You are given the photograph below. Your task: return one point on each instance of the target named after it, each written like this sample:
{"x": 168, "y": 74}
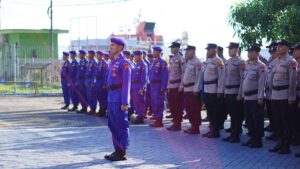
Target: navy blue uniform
{"x": 80, "y": 78}
{"x": 65, "y": 81}
{"x": 73, "y": 87}
{"x": 91, "y": 84}
{"x": 118, "y": 84}
{"x": 101, "y": 77}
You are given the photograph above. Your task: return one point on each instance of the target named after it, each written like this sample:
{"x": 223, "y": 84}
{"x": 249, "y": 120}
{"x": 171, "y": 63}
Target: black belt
{"x": 277, "y": 88}
{"x": 99, "y": 78}
{"x": 211, "y": 82}
{"x": 155, "y": 81}
{"x": 114, "y": 87}
{"x": 89, "y": 77}
{"x": 175, "y": 81}
{"x": 189, "y": 84}
{"x": 136, "y": 81}
{"x": 251, "y": 92}
{"x": 232, "y": 86}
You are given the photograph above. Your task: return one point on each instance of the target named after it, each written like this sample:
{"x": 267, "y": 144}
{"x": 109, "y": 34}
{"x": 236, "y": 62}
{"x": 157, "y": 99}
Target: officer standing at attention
{"x": 138, "y": 86}
{"x": 118, "y": 85}
{"x": 213, "y": 88}
{"x": 234, "y": 71}
{"x": 91, "y": 82}
{"x": 273, "y": 52}
{"x": 100, "y": 75}
{"x": 148, "y": 93}
{"x": 191, "y": 84}
{"x": 222, "y": 109}
{"x": 73, "y": 87}
{"x": 253, "y": 92}
{"x": 283, "y": 95}
{"x": 65, "y": 80}
{"x": 80, "y": 77}
{"x": 158, "y": 76}
{"x": 175, "y": 92}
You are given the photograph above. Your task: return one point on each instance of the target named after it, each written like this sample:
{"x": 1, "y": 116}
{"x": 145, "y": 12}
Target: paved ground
{"x": 34, "y": 133}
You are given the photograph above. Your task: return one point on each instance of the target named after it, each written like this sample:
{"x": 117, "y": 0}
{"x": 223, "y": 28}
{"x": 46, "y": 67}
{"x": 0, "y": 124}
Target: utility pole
{"x": 50, "y": 13}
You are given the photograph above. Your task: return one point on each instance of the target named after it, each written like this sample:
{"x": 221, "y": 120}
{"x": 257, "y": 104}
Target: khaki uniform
{"x": 234, "y": 70}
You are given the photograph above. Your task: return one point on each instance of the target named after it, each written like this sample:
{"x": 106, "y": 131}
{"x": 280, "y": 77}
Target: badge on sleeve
{"x": 293, "y": 64}
{"x": 221, "y": 64}
{"x": 262, "y": 68}
{"x": 242, "y": 65}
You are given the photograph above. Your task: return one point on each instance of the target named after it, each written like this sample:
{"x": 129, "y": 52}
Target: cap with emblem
{"x": 137, "y": 52}
{"x": 254, "y": 47}
{"x": 126, "y": 52}
{"x": 144, "y": 52}
{"x": 284, "y": 42}
{"x": 233, "y": 45}
{"x": 189, "y": 47}
{"x": 157, "y": 48}
{"x": 175, "y": 45}
{"x": 211, "y": 46}
{"x": 118, "y": 41}
{"x": 106, "y": 54}
{"x": 66, "y": 53}
{"x": 81, "y": 51}
{"x": 297, "y": 47}
{"x": 220, "y": 48}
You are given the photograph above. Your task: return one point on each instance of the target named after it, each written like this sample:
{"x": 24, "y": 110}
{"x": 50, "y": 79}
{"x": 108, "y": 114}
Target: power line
{"x": 66, "y": 4}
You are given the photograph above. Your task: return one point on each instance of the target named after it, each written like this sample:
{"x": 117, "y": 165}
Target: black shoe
{"x": 297, "y": 155}
{"x": 174, "y": 127}
{"x": 74, "y": 108}
{"x": 235, "y": 139}
{"x": 256, "y": 144}
{"x": 65, "y": 107}
{"x": 92, "y": 112}
{"x": 82, "y": 111}
{"x": 284, "y": 150}
{"x": 192, "y": 130}
{"x": 276, "y": 148}
{"x": 213, "y": 135}
{"x": 226, "y": 139}
{"x": 138, "y": 120}
{"x": 116, "y": 156}
{"x": 156, "y": 123}
{"x": 247, "y": 143}
{"x": 169, "y": 116}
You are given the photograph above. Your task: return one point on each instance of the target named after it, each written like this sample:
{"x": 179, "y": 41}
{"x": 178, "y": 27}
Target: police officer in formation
{"x": 245, "y": 86}
{"x": 191, "y": 85}
{"x": 213, "y": 79}
{"x": 253, "y": 86}
{"x": 65, "y": 80}
{"x": 175, "y": 93}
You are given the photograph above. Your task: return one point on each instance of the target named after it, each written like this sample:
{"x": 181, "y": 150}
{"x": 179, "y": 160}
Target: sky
{"x": 206, "y": 21}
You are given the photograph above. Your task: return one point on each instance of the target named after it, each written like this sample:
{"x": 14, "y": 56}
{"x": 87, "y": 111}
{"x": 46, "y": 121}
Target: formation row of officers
{"x": 119, "y": 81}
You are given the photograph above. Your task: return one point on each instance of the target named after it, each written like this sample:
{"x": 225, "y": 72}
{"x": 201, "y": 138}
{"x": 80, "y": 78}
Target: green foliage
{"x": 254, "y": 20}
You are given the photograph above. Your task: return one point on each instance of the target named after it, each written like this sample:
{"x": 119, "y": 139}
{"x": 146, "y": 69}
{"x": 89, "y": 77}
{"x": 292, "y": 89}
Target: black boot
{"x": 65, "y": 107}
{"x": 83, "y": 110}
{"x": 92, "y": 112}
{"x": 74, "y": 108}
{"x": 118, "y": 155}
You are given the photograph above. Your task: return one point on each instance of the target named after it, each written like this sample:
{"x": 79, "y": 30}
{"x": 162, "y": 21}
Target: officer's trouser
{"x": 91, "y": 94}
{"x": 148, "y": 99}
{"x": 270, "y": 113}
{"x": 283, "y": 120}
{"x": 176, "y": 104}
{"x": 157, "y": 101}
{"x": 193, "y": 108}
{"x": 236, "y": 111}
{"x": 138, "y": 102}
{"x": 74, "y": 93}
{"x": 82, "y": 93}
{"x": 101, "y": 94}
{"x": 118, "y": 125}
{"x": 222, "y": 111}
{"x": 212, "y": 111}
{"x": 254, "y": 118}
{"x": 66, "y": 91}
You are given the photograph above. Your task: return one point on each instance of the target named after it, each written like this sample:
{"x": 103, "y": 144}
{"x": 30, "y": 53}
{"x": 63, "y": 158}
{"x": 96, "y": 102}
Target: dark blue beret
{"x": 72, "y": 52}
{"x": 99, "y": 52}
{"x": 92, "y": 51}
{"x": 66, "y": 53}
{"x": 157, "y": 48}
{"x": 118, "y": 41}
{"x": 137, "y": 52}
{"x": 150, "y": 55}
{"x": 82, "y": 51}
{"x": 126, "y": 52}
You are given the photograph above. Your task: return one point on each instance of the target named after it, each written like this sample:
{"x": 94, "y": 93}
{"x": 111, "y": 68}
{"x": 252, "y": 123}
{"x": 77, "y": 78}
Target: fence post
{"x": 15, "y": 67}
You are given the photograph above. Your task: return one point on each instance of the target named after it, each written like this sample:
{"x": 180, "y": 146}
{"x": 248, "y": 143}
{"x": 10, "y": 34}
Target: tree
{"x": 254, "y": 20}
